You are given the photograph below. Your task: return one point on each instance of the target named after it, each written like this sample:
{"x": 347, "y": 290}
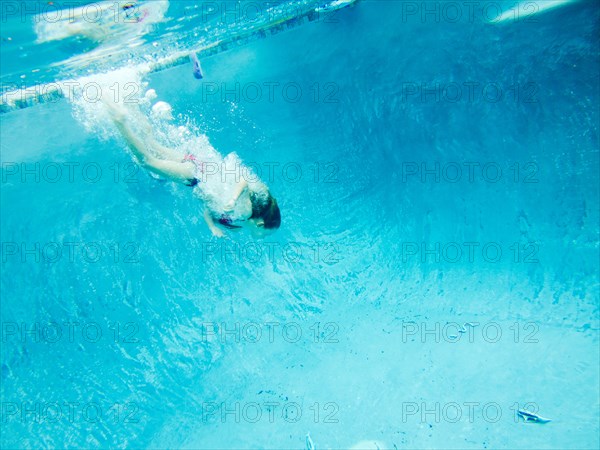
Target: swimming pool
{"x": 436, "y": 270}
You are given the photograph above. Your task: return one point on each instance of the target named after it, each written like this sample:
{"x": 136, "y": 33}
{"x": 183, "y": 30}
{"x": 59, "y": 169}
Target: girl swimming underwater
{"x": 234, "y": 198}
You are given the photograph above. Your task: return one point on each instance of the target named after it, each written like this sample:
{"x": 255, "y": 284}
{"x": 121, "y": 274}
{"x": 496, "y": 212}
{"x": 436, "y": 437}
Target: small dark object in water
{"x": 528, "y": 416}
{"x": 197, "y": 68}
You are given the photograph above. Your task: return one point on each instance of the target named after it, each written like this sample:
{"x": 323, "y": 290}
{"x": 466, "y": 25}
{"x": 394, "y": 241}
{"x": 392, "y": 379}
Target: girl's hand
{"x": 217, "y": 232}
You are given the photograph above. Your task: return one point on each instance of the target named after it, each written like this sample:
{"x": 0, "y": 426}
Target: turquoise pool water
{"x": 436, "y": 270}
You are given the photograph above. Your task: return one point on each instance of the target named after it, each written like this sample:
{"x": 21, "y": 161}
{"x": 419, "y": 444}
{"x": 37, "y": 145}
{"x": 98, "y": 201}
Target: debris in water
{"x": 197, "y": 68}
{"x": 528, "y": 416}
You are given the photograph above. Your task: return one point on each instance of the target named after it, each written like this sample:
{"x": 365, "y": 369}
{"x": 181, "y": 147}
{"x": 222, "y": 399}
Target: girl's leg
{"x": 132, "y": 130}
{"x": 146, "y": 149}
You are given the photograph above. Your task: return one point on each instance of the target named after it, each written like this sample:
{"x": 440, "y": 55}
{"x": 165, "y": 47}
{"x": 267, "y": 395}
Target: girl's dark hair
{"x": 266, "y": 209}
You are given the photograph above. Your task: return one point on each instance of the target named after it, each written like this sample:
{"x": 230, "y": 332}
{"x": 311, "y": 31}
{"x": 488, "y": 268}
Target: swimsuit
{"x": 228, "y": 222}
{"x": 199, "y": 167}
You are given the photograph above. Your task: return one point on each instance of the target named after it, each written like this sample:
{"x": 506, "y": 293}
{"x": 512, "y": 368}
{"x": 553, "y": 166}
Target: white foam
{"x": 122, "y": 86}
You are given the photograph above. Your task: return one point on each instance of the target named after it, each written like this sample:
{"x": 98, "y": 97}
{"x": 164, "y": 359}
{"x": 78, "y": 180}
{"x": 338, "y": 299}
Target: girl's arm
{"x": 239, "y": 188}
